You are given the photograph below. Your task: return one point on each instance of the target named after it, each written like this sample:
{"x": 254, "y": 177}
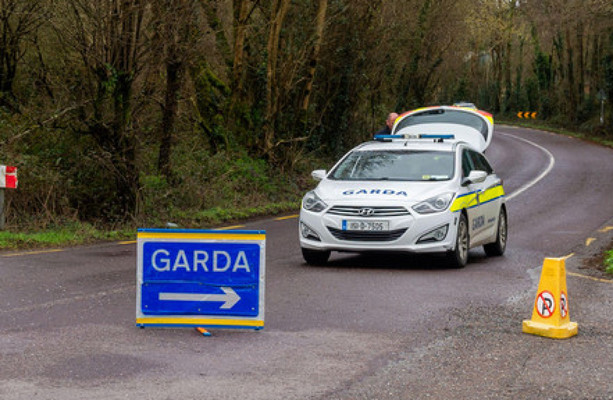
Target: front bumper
{"x": 324, "y": 231}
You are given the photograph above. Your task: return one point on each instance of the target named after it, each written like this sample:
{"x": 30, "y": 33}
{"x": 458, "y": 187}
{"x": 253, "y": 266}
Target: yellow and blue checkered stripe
{"x": 469, "y": 200}
{"x": 200, "y": 234}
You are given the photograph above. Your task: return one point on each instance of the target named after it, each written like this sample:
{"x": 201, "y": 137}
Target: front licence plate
{"x": 361, "y": 225}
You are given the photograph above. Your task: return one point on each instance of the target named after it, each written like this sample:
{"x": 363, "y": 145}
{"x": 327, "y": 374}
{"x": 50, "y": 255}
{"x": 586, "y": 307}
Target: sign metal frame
{"x": 211, "y": 239}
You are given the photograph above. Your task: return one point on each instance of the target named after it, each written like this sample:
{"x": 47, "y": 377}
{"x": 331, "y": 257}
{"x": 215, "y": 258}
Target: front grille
{"x": 354, "y": 211}
{"x": 362, "y": 236}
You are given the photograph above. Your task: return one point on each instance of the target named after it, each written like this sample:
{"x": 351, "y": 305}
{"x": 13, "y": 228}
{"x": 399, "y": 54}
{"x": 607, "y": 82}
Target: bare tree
{"x": 109, "y": 36}
{"x": 18, "y": 20}
{"x": 241, "y": 14}
{"x": 320, "y": 22}
{"x": 176, "y": 36}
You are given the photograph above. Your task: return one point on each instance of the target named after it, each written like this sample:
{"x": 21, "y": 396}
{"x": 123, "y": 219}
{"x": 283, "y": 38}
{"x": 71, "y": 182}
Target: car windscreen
{"x": 395, "y": 165}
{"x": 442, "y": 116}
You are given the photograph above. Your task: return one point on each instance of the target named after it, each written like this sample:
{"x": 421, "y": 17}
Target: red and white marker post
{"x": 8, "y": 180}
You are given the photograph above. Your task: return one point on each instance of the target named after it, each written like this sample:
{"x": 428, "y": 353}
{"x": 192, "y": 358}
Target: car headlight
{"x": 434, "y": 204}
{"x": 312, "y": 202}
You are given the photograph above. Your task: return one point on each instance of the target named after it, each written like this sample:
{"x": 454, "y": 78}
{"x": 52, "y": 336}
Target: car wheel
{"x": 315, "y": 257}
{"x": 459, "y": 256}
{"x": 499, "y": 246}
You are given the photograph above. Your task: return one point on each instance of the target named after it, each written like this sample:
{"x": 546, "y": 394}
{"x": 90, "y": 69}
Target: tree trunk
{"x": 507, "y": 75}
{"x": 169, "y": 114}
{"x": 497, "y": 62}
{"x": 111, "y": 53}
{"x": 278, "y": 11}
{"x": 126, "y": 176}
{"x": 570, "y": 76}
{"x": 240, "y": 33}
{"x": 581, "y": 57}
{"x": 319, "y": 29}
{"x": 595, "y": 76}
{"x": 210, "y": 8}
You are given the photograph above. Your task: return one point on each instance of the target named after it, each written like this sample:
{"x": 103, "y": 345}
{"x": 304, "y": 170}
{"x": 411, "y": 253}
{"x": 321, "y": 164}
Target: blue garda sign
{"x": 200, "y": 278}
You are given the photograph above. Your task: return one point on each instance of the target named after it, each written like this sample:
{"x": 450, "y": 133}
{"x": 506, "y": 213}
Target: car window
{"x": 467, "y": 163}
{"x": 438, "y": 116}
{"x": 480, "y": 162}
{"x": 405, "y": 165}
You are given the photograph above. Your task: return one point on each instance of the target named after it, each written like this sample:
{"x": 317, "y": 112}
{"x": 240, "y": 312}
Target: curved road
{"x": 362, "y": 327}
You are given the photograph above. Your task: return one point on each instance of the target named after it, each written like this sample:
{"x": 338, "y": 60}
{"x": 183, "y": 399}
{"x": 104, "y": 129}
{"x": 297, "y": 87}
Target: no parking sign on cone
{"x": 550, "y": 316}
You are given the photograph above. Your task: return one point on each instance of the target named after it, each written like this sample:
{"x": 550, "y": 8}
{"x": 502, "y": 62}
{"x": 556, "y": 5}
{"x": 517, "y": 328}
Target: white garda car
{"x": 407, "y": 192}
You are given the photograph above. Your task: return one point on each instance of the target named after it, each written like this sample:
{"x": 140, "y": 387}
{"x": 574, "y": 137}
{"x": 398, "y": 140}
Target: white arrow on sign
{"x": 229, "y": 299}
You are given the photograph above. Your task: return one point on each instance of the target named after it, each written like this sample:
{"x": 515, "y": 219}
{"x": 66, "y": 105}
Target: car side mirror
{"x": 319, "y": 174}
{"x": 474, "y": 177}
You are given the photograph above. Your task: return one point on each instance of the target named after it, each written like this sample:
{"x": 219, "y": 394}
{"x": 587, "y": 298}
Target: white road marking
{"x": 552, "y": 162}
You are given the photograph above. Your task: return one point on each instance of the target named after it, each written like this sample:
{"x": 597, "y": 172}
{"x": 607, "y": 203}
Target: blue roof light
{"x": 388, "y": 137}
{"x": 385, "y": 138}
{"x": 437, "y": 136}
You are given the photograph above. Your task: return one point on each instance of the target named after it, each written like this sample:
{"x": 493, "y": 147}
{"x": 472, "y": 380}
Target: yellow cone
{"x": 550, "y": 317}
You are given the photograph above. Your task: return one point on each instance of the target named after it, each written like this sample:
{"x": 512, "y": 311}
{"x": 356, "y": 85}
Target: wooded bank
{"x": 147, "y": 110}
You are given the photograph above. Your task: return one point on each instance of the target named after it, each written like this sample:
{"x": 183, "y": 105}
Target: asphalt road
{"x": 359, "y": 328}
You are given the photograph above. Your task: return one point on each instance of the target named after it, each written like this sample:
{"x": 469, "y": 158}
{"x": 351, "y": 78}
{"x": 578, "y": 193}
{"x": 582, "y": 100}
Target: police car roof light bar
{"x": 424, "y": 136}
{"x": 384, "y": 138}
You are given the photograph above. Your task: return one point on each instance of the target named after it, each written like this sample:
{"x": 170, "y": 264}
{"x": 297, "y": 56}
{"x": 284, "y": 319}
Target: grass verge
{"x": 61, "y": 236}
{"x": 79, "y": 233}
{"x": 216, "y": 216}
{"x": 605, "y": 141}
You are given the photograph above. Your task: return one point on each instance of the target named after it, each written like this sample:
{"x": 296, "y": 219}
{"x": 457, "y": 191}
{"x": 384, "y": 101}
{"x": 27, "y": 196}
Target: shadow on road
{"x": 396, "y": 261}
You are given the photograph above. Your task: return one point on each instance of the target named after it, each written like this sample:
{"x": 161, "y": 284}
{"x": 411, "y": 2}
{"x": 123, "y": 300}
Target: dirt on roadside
{"x": 596, "y": 262}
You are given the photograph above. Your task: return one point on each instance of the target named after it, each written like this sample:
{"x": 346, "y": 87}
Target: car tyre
{"x": 315, "y": 257}
{"x": 458, "y": 258}
{"x": 499, "y": 246}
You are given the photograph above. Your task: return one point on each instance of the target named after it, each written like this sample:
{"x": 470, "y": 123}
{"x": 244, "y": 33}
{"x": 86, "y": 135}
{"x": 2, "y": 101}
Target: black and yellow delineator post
{"x": 550, "y": 317}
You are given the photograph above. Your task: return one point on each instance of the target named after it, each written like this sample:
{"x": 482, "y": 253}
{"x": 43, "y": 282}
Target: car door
{"x": 489, "y": 199}
{"x": 478, "y": 212}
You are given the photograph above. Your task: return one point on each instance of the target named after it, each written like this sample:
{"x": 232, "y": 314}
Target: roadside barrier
{"x": 550, "y": 316}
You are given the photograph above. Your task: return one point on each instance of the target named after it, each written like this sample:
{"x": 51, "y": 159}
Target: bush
{"x": 608, "y": 262}
{"x": 207, "y": 190}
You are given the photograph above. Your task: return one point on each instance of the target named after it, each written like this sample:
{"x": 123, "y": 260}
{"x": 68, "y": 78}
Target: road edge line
{"x": 552, "y": 162}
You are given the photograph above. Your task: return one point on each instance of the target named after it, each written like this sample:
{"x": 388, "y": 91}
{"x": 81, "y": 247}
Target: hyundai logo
{"x": 366, "y": 212}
